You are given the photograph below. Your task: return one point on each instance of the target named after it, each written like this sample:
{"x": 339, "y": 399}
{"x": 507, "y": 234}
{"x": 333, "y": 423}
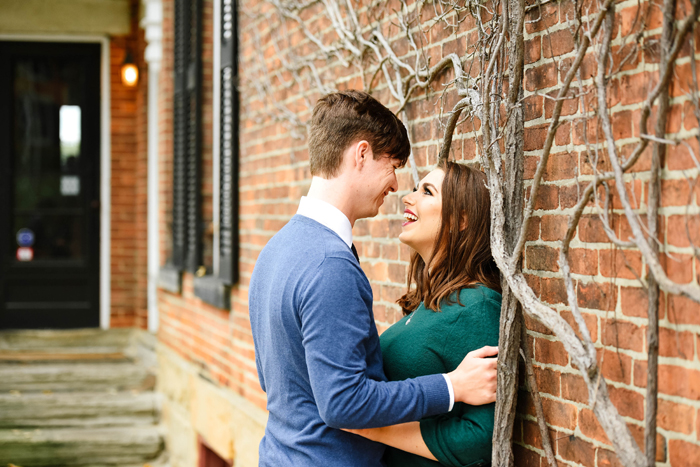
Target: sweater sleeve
{"x": 336, "y": 324}
{"x": 463, "y": 436}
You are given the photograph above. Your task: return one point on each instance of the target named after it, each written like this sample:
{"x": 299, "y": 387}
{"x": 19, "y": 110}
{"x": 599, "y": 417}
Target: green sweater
{"x": 427, "y": 342}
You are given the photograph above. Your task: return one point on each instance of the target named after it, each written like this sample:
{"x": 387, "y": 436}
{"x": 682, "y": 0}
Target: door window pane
{"x": 48, "y": 160}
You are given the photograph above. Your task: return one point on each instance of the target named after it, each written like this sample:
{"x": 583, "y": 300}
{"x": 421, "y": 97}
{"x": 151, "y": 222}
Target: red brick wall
{"x": 129, "y": 173}
{"x": 274, "y": 175}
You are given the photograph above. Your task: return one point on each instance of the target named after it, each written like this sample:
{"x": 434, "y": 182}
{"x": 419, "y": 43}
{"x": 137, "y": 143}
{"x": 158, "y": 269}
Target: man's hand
{"x": 474, "y": 380}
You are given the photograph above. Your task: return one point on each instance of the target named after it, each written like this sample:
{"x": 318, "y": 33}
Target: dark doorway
{"x": 49, "y": 185}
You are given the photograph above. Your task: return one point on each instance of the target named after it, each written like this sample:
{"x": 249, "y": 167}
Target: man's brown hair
{"x": 342, "y": 118}
{"x": 462, "y": 253}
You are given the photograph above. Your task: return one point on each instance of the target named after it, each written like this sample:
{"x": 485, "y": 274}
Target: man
{"x": 316, "y": 344}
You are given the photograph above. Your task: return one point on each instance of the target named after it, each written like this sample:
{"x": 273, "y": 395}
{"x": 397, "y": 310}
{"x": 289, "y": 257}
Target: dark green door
{"x": 49, "y": 185}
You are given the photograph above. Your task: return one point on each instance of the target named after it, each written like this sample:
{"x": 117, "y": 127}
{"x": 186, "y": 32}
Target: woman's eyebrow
{"x": 430, "y": 185}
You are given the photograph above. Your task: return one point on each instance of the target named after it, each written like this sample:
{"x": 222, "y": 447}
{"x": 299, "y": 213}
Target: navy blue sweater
{"x": 318, "y": 356}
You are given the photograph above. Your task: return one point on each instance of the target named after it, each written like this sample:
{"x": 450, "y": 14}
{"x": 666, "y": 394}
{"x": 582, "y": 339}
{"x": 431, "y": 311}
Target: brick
{"x": 553, "y": 228}
{"x": 560, "y": 414}
{"x": 623, "y": 334}
{"x": 541, "y": 77}
{"x": 681, "y": 230}
{"x": 526, "y": 457}
{"x": 569, "y": 196}
{"x": 557, "y": 43}
{"x": 607, "y": 458}
{"x": 576, "y": 450}
{"x": 569, "y": 104}
{"x": 561, "y": 166}
{"x": 682, "y": 310}
{"x": 676, "y": 344}
{"x": 532, "y": 107}
{"x": 626, "y": 264}
{"x": 591, "y": 427}
{"x": 553, "y": 290}
{"x": 583, "y": 261}
{"x": 590, "y": 230}
{"x": 542, "y": 258}
{"x": 531, "y": 434}
{"x": 590, "y": 319}
{"x": 550, "y": 352}
{"x": 547, "y": 197}
{"x": 573, "y": 388}
{"x": 548, "y": 381}
{"x": 683, "y": 453}
{"x": 532, "y": 50}
{"x": 599, "y": 296}
{"x": 679, "y": 158}
{"x": 675, "y": 417}
{"x": 616, "y": 366}
{"x": 679, "y": 381}
{"x": 629, "y": 403}
{"x": 534, "y": 137}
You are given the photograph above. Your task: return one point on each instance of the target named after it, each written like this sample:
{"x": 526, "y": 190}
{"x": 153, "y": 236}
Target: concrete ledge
{"x": 214, "y": 291}
{"x": 194, "y": 406}
{"x": 103, "y": 17}
{"x": 170, "y": 279}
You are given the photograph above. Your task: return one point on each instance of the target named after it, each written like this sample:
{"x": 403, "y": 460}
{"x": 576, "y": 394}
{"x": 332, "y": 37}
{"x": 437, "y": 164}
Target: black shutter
{"x": 228, "y": 137}
{"x": 187, "y": 206}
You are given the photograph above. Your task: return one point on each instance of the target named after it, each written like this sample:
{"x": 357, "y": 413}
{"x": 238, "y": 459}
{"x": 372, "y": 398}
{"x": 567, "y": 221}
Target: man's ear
{"x": 362, "y": 153}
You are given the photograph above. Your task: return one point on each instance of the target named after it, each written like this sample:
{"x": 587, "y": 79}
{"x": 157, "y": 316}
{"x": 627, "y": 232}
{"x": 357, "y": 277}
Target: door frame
{"x": 105, "y": 158}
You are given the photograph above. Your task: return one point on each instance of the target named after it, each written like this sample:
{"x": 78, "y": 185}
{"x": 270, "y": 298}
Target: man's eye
{"x": 415, "y": 189}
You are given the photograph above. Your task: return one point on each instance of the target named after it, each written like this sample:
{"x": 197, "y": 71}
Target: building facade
{"x": 204, "y": 160}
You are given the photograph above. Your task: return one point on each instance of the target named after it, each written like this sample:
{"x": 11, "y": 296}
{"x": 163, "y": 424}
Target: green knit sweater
{"x": 427, "y": 342}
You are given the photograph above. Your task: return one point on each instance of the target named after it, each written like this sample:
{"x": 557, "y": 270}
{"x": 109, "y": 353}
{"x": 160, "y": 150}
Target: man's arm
{"x": 336, "y": 321}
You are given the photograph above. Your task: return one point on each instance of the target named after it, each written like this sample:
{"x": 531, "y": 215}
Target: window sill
{"x": 213, "y": 291}
{"x": 170, "y": 279}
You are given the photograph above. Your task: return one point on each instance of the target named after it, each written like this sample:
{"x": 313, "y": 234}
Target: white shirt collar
{"x": 326, "y": 214}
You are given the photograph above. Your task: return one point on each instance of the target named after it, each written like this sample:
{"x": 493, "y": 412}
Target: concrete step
{"x": 81, "y": 447}
{"x": 66, "y": 345}
{"x": 78, "y": 409}
{"x": 78, "y": 377}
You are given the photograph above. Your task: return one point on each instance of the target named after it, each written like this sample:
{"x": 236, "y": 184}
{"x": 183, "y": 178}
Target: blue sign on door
{"x": 25, "y": 237}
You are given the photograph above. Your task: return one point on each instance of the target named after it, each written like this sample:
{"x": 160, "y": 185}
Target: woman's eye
{"x": 427, "y": 192}
{"x": 415, "y": 189}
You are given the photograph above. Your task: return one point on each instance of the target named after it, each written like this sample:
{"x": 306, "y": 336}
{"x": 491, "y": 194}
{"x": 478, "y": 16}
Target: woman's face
{"x": 423, "y": 214}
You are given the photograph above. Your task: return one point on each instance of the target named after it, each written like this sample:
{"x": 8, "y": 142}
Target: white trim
{"x": 105, "y": 158}
{"x": 152, "y": 22}
{"x": 216, "y": 143}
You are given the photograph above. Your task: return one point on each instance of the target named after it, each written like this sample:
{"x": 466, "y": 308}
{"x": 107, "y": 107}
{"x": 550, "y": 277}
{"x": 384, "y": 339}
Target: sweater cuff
{"x": 437, "y": 394}
{"x": 451, "y": 390}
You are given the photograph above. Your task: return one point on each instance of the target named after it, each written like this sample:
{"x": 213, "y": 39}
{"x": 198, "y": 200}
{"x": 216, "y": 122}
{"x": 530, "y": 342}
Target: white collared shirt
{"x": 328, "y": 215}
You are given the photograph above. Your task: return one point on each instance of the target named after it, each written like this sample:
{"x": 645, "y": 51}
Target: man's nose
{"x": 394, "y": 187}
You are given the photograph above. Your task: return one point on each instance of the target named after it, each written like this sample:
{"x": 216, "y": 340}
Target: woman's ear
{"x": 463, "y": 221}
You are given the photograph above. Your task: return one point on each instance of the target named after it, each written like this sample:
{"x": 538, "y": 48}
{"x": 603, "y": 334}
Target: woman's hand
{"x": 406, "y": 436}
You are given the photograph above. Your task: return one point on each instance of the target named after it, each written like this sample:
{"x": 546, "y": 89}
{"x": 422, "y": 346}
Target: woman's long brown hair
{"x": 462, "y": 256}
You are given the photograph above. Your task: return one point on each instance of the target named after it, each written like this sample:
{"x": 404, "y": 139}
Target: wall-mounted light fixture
{"x": 130, "y": 73}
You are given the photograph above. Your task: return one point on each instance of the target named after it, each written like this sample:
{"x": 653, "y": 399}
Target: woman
{"x": 452, "y": 307}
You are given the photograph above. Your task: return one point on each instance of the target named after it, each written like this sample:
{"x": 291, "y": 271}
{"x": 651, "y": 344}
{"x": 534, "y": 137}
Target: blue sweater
{"x": 318, "y": 356}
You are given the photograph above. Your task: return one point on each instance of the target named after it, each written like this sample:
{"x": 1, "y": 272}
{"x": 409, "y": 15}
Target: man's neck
{"x": 334, "y": 192}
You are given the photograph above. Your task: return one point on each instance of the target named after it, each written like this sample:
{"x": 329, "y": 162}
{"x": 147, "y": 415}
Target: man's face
{"x": 379, "y": 179}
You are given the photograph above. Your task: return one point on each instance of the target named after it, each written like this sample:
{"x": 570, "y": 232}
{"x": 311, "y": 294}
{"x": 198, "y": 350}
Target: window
{"x": 212, "y": 285}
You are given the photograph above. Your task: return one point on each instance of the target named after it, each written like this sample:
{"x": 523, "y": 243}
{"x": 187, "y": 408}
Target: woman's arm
{"x": 405, "y": 436}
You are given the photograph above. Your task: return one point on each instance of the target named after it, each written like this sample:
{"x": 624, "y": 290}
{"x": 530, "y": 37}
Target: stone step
{"x": 80, "y": 447}
{"x": 79, "y": 409}
{"x": 66, "y": 345}
{"x": 79, "y": 377}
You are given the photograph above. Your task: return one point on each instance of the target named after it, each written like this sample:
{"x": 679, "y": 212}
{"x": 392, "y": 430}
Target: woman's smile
{"x": 410, "y": 217}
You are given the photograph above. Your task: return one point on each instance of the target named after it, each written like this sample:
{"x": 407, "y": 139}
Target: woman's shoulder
{"x": 479, "y": 296}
